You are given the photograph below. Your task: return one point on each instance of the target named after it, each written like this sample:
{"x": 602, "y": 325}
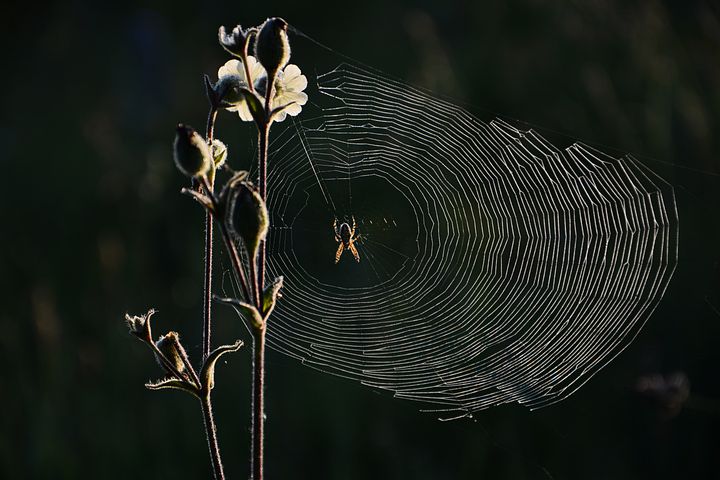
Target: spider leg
{"x": 339, "y": 252}
{"x": 353, "y": 227}
{"x": 337, "y": 234}
{"x": 354, "y": 252}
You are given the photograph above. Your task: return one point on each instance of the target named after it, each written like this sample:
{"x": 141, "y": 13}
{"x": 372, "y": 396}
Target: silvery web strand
{"x": 515, "y": 273}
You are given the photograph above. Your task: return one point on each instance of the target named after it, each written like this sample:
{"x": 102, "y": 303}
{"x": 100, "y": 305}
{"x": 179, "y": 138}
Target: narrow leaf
{"x": 248, "y": 311}
{"x": 270, "y": 296}
{"x": 277, "y": 111}
{"x": 203, "y": 200}
{"x": 207, "y": 374}
{"x": 174, "y": 384}
{"x": 255, "y": 104}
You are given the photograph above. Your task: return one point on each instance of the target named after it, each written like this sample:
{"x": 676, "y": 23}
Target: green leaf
{"x": 245, "y": 309}
{"x": 270, "y": 296}
{"x": 203, "y": 200}
{"x": 280, "y": 109}
{"x": 207, "y": 374}
{"x": 219, "y": 152}
{"x": 255, "y": 104}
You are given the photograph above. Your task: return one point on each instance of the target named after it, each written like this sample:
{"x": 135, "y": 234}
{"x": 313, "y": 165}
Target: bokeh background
{"x": 93, "y": 225}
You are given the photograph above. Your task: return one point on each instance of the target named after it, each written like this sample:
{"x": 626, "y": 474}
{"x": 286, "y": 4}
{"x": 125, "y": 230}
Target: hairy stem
{"x": 230, "y": 245}
{"x": 258, "y": 406}
{"x": 258, "y": 412}
{"x": 207, "y": 303}
{"x": 211, "y": 433}
{"x": 262, "y": 184}
{"x": 235, "y": 259}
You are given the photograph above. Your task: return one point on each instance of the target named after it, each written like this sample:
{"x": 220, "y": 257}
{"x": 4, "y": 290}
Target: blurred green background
{"x": 94, "y": 226}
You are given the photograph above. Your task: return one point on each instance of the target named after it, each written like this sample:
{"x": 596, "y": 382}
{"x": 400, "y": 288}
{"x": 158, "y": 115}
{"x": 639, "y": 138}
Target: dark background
{"x": 93, "y": 226}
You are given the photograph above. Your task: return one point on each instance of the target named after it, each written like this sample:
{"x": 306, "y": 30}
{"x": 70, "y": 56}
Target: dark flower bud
{"x": 236, "y": 41}
{"x": 191, "y": 152}
{"x": 169, "y": 345}
{"x": 272, "y": 47}
{"x": 247, "y": 216}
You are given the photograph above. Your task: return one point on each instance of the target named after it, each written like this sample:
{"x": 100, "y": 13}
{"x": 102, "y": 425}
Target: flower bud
{"x": 272, "y": 47}
{"x": 169, "y": 345}
{"x": 191, "y": 152}
{"x": 247, "y": 216}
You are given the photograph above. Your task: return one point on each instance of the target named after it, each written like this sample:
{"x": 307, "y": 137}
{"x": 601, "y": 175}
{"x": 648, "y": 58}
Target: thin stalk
{"x": 262, "y": 184}
{"x": 257, "y": 294}
{"x": 212, "y": 437}
{"x": 258, "y": 412}
{"x": 232, "y": 249}
{"x": 235, "y": 259}
{"x": 246, "y": 67}
{"x": 207, "y": 304}
{"x": 258, "y": 417}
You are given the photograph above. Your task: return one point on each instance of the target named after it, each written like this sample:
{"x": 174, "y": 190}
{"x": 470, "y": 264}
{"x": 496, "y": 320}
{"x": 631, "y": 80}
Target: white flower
{"x": 234, "y": 72}
{"x": 289, "y": 86}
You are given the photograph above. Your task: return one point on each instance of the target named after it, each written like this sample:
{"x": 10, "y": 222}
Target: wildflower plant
{"x": 262, "y": 88}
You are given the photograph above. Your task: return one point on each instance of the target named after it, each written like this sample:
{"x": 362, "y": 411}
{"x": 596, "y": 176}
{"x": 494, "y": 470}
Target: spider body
{"x": 345, "y": 236}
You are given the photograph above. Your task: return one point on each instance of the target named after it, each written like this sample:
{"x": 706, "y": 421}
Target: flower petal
{"x": 256, "y": 69}
{"x": 293, "y": 110}
{"x": 231, "y": 67}
{"x": 299, "y": 98}
{"x": 297, "y": 84}
{"x": 244, "y": 112}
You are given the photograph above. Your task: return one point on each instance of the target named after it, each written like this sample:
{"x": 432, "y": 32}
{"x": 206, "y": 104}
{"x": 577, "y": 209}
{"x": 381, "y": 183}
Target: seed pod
{"x": 169, "y": 345}
{"x": 246, "y": 215}
{"x": 191, "y": 152}
{"x": 272, "y": 47}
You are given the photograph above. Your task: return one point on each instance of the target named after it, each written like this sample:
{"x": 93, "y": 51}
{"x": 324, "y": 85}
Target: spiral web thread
{"x": 530, "y": 267}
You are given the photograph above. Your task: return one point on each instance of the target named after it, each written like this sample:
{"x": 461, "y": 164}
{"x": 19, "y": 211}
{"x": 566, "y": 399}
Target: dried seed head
{"x": 191, "y": 152}
{"x": 246, "y": 215}
{"x": 235, "y": 42}
{"x": 272, "y": 47}
{"x": 139, "y": 325}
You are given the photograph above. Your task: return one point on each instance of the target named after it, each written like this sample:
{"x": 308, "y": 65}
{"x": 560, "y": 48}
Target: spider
{"x": 345, "y": 235}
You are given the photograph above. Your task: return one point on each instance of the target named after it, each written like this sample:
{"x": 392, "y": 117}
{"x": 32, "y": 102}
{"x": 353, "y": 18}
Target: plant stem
{"x": 235, "y": 259}
{"x": 207, "y": 304}
{"x": 258, "y": 416}
{"x": 262, "y": 169}
{"x": 258, "y": 412}
{"x": 212, "y": 437}
{"x": 230, "y": 245}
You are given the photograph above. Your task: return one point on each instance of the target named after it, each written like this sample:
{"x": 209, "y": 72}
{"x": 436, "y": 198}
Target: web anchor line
{"x": 303, "y": 141}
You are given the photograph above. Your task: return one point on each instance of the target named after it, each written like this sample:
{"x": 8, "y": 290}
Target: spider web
{"x": 495, "y": 267}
